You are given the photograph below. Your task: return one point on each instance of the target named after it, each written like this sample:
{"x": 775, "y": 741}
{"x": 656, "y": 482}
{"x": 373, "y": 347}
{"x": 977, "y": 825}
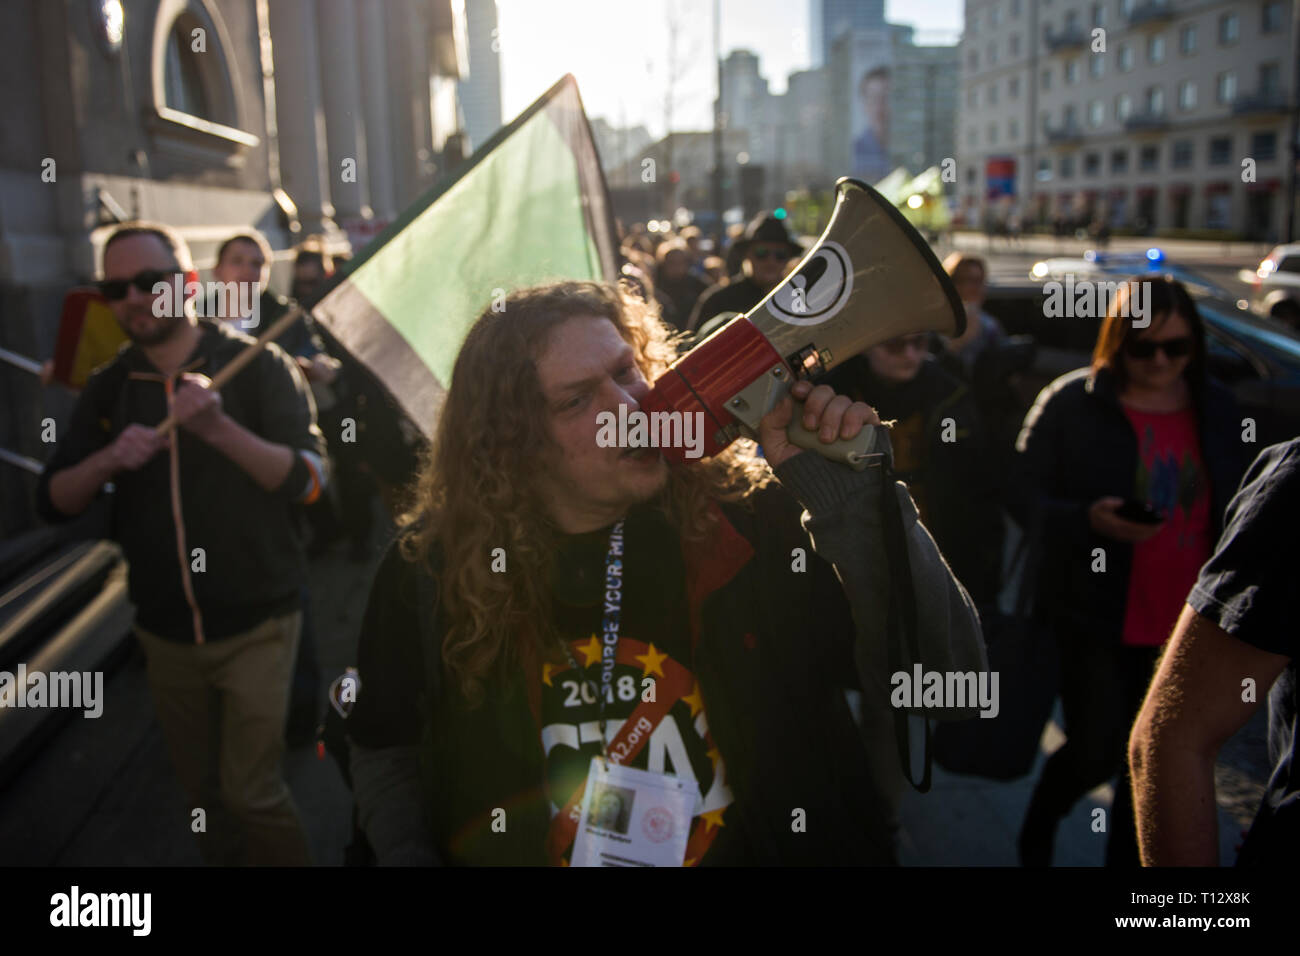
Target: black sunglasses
{"x": 1173, "y": 348}
{"x": 114, "y": 289}
{"x": 769, "y": 252}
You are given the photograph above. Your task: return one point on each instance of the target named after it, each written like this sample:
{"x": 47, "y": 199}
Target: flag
{"x": 530, "y": 206}
{"x": 89, "y": 336}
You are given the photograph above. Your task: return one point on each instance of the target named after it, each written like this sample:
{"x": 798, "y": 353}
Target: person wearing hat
{"x": 766, "y": 247}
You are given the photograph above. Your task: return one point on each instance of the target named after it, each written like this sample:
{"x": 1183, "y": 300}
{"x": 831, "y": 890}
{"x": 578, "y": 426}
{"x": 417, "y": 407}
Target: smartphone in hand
{"x": 1139, "y": 512}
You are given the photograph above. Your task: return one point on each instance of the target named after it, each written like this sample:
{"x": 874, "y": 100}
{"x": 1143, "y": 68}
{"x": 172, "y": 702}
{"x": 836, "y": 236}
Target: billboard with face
{"x": 870, "y": 73}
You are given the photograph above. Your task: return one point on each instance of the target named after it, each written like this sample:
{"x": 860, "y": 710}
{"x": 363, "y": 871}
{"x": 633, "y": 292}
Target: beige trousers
{"x": 222, "y": 706}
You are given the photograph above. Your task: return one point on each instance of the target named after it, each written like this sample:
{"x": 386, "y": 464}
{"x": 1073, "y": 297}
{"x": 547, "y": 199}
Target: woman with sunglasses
{"x": 1124, "y": 471}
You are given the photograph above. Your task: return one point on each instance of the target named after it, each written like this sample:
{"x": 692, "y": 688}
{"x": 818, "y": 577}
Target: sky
{"x": 619, "y": 50}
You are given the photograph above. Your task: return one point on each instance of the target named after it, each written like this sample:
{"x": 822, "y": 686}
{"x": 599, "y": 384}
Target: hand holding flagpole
{"x": 236, "y": 365}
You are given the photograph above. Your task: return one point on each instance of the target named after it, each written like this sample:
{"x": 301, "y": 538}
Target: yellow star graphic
{"x": 713, "y": 818}
{"x": 546, "y": 674}
{"x": 694, "y": 700}
{"x": 564, "y": 862}
{"x": 690, "y": 862}
{"x": 592, "y": 651}
{"x": 652, "y": 661}
{"x": 713, "y": 754}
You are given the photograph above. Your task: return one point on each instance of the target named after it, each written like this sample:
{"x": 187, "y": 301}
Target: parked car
{"x": 1276, "y": 281}
{"x": 1256, "y": 356}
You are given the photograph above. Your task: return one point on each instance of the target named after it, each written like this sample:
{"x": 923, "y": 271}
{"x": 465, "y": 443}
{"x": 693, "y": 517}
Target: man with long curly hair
{"x": 483, "y": 696}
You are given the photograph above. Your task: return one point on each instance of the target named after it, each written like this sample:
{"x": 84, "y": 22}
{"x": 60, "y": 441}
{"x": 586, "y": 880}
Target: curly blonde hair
{"x": 475, "y": 493}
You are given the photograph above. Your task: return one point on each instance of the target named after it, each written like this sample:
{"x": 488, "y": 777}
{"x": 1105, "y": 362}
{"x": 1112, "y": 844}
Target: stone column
{"x": 376, "y": 73}
{"x": 344, "y": 130}
{"x": 300, "y": 119}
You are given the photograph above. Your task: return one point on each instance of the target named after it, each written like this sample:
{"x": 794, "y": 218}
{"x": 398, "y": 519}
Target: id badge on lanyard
{"x": 629, "y": 817}
{"x": 633, "y": 817}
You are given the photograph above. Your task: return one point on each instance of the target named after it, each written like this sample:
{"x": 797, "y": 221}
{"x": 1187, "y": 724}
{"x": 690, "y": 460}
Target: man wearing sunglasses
{"x": 203, "y": 516}
{"x": 767, "y": 249}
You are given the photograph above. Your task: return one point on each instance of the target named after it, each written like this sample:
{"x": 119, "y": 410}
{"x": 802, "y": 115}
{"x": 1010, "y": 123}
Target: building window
{"x": 1183, "y": 152}
{"x": 1015, "y": 8}
{"x": 1123, "y": 107}
{"x": 1125, "y": 58}
{"x": 1015, "y": 44}
{"x": 1067, "y": 167}
{"x": 1045, "y": 81}
{"x": 973, "y": 97}
{"x": 1187, "y": 39}
{"x": 1156, "y": 100}
{"x": 1013, "y": 129}
{"x": 1228, "y": 29}
{"x": 973, "y": 28}
{"x": 1013, "y": 87}
{"x": 1098, "y": 15}
{"x": 1096, "y": 65}
{"x": 1096, "y": 113}
{"x": 993, "y": 134}
{"x": 993, "y": 53}
{"x": 971, "y": 137}
{"x": 1263, "y": 146}
{"x": 1071, "y": 21}
{"x": 1271, "y": 17}
{"x": 1071, "y": 72}
{"x": 183, "y": 78}
{"x": 1070, "y": 121}
{"x": 973, "y": 61}
{"x": 1125, "y": 8}
{"x": 1156, "y": 49}
{"x": 995, "y": 16}
{"x": 1220, "y": 150}
{"x": 1187, "y": 95}
{"x": 1091, "y": 164}
{"x": 993, "y": 93}
{"x": 1119, "y": 161}
{"x": 1149, "y": 158}
{"x": 1044, "y": 170}
{"x": 1270, "y": 79}
{"x": 1225, "y": 88}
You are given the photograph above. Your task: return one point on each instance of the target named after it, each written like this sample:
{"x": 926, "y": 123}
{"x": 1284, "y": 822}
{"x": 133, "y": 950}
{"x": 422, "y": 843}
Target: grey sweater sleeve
{"x": 843, "y": 517}
{"x": 390, "y": 805}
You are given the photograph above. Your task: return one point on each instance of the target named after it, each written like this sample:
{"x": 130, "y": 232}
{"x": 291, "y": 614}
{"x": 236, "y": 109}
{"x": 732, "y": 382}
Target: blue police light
{"x": 1155, "y": 255}
{"x": 779, "y": 213}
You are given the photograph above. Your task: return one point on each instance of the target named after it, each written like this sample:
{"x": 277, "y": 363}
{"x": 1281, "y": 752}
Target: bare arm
{"x": 1193, "y": 705}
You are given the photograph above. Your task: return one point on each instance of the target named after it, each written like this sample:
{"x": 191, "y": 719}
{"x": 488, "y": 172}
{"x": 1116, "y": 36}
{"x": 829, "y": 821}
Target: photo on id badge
{"x": 612, "y": 808}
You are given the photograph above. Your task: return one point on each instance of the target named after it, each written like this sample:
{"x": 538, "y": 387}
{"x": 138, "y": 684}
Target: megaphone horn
{"x": 870, "y": 277}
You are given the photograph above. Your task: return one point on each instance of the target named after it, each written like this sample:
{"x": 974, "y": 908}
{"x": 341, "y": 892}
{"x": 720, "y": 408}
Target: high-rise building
{"x": 480, "y": 92}
{"x": 1147, "y": 114}
{"x": 830, "y": 18}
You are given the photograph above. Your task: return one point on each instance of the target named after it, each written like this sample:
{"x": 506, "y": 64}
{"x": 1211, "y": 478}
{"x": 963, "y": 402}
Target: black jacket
{"x": 1076, "y": 446}
{"x": 957, "y": 483}
{"x": 774, "y": 649}
{"x": 738, "y": 294}
{"x": 254, "y": 564}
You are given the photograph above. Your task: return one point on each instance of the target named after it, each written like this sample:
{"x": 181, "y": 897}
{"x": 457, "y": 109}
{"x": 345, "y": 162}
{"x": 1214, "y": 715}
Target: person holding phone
{"x": 1124, "y": 471}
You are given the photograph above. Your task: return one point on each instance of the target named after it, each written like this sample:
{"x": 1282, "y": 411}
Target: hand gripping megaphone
{"x": 869, "y": 278}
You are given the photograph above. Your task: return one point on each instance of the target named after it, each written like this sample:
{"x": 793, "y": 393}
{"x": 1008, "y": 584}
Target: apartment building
{"x": 1145, "y": 114}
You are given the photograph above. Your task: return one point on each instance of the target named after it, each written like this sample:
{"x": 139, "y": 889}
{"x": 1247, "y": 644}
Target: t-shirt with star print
{"x": 654, "y": 644}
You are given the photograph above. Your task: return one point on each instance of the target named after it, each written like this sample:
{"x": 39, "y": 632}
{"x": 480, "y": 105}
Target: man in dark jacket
{"x": 766, "y": 248}
{"x": 216, "y": 570}
{"x": 728, "y": 638}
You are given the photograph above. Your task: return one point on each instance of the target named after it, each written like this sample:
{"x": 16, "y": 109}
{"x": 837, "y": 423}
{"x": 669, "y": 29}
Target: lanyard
{"x": 609, "y": 628}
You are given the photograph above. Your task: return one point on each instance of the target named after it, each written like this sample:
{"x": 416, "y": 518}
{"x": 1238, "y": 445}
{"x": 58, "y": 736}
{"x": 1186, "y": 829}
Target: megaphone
{"x": 869, "y": 278}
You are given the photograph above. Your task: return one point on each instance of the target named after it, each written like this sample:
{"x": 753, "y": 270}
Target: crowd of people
{"x": 523, "y": 546}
